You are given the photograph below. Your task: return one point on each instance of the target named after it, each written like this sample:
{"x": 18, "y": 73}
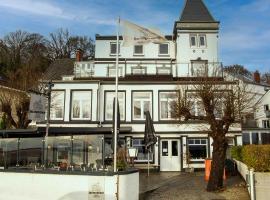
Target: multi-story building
{"x": 149, "y": 77}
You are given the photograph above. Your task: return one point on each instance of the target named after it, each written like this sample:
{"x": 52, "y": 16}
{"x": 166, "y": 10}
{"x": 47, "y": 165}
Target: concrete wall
{"x": 33, "y": 186}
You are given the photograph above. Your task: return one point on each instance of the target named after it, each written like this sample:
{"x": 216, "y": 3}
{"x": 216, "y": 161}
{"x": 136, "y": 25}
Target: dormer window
{"x": 163, "y": 49}
{"x": 138, "y": 50}
{"x": 113, "y": 48}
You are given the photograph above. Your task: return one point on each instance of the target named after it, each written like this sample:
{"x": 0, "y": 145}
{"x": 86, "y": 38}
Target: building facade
{"x": 149, "y": 77}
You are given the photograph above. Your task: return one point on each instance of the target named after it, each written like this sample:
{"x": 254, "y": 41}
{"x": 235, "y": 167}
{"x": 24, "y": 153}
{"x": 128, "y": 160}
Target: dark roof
{"x": 196, "y": 11}
{"x": 59, "y": 68}
{"x": 113, "y": 37}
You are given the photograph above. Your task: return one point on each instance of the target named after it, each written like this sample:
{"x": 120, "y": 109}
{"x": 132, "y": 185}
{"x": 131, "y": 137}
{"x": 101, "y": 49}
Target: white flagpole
{"x": 116, "y": 97}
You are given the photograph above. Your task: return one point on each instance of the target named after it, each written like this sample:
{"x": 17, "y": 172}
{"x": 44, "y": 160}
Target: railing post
{"x": 252, "y": 184}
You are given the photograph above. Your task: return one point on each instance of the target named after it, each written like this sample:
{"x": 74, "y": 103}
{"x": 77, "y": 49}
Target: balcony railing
{"x": 89, "y": 69}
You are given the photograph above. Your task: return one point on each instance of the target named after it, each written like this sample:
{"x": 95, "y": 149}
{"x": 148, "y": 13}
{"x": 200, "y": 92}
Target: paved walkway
{"x": 185, "y": 186}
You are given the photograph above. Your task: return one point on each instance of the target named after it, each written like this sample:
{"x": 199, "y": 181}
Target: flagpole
{"x": 116, "y": 97}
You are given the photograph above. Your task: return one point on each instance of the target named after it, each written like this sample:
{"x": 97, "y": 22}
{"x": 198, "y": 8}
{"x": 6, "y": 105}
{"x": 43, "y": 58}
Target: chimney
{"x": 257, "y": 77}
{"x": 79, "y": 55}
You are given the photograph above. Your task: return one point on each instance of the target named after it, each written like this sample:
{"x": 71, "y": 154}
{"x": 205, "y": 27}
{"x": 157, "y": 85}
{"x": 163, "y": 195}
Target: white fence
{"x": 258, "y": 183}
{"x": 33, "y": 186}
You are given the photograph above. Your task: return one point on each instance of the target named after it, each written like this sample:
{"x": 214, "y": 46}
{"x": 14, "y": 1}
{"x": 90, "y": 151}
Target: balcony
{"x": 148, "y": 68}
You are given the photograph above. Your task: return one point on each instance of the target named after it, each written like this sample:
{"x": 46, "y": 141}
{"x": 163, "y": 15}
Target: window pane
{"x": 30, "y": 152}
{"x": 81, "y": 104}
{"x": 138, "y": 49}
{"x": 174, "y": 148}
{"x": 164, "y": 148}
{"x": 246, "y": 139}
{"x": 265, "y": 138}
{"x": 137, "y": 110}
{"x": 57, "y": 105}
{"x": 113, "y": 48}
{"x": 255, "y": 138}
{"x": 142, "y": 154}
{"x": 197, "y": 151}
{"x": 163, "y": 49}
{"x": 164, "y": 110}
{"x": 202, "y": 41}
{"x": 109, "y": 96}
{"x": 193, "y": 41}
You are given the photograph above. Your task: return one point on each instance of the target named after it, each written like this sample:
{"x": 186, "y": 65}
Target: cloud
{"x": 35, "y": 7}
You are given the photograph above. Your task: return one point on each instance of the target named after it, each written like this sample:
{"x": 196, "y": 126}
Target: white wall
{"x": 31, "y": 186}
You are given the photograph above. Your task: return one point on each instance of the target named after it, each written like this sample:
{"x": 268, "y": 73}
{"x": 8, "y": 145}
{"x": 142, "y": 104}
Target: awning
{"x": 57, "y": 131}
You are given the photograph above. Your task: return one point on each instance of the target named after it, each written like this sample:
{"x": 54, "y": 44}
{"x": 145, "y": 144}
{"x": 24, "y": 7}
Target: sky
{"x": 244, "y": 28}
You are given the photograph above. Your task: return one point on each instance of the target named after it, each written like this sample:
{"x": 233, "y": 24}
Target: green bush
{"x": 257, "y": 157}
{"x": 236, "y": 152}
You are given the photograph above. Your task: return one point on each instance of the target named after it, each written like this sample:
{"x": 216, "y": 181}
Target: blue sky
{"x": 244, "y": 34}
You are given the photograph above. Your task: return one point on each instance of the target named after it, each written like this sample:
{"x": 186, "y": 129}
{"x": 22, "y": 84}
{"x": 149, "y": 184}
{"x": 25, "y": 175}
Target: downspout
{"x": 98, "y": 105}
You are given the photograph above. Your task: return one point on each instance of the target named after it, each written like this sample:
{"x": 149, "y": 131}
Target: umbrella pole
{"x": 148, "y": 164}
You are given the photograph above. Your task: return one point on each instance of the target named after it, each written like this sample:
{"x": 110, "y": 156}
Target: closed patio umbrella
{"x": 150, "y": 138}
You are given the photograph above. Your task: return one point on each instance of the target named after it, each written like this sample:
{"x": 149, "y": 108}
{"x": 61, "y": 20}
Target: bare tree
{"x": 62, "y": 45}
{"x": 222, "y": 104}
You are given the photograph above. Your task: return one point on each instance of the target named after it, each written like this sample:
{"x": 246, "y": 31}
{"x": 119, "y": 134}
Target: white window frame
{"x": 122, "y": 101}
{"x": 81, "y": 107}
{"x": 57, "y": 102}
{"x": 140, "y": 144}
{"x": 169, "y": 102}
{"x": 141, "y": 101}
{"x": 201, "y": 144}
{"x": 162, "y": 54}
{"x": 134, "y": 50}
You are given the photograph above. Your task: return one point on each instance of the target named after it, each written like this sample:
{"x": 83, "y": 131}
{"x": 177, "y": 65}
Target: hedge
{"x": 254, "y": 156}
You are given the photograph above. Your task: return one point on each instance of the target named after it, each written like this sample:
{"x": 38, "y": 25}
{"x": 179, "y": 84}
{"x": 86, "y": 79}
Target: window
{"x": 202, "y": 40}
{"x": 142, "y": 155}
{"x": 255, "y": 138}
{"x": 113, "y": 48}
{"x": 197, "y": 149}
{"x": 166, "y": 102}
{"x": 138, "y": 49}
{"x": 57, "y": 105}
{"x": 109, "y": 96}
{"x": 266, "y": 107}
{"x": 266, "y": 123}
{"x": 193, "y": 41}
{"x": 112, "y": 72}
{"x": 246, "y": 138}
{"x": 138, "y": 70}
{"x": 265, "y": 138}
{"x": 142, "y": 102}
{"x": 218, "y": 110}
{"x": 81, "y": 105}
{"x": 163, "y": 49}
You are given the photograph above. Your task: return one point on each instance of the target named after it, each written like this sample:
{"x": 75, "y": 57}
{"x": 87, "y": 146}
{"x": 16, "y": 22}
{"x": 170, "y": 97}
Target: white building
{"x": 149, "y": 76}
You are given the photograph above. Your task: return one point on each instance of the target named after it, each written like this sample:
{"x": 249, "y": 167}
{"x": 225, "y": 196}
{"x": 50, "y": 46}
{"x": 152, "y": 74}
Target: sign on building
{"x": 37, "y": 107}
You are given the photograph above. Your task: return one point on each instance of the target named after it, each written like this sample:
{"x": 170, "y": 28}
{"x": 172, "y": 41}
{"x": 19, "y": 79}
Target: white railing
{"x": 89, "y": 69}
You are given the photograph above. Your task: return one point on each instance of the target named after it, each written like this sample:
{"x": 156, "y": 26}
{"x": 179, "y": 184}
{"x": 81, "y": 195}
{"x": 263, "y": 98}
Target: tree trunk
{"x": 218, "y": 162}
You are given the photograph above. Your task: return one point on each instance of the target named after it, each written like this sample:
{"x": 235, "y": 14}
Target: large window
{"x": 166, "y": 102}
{"x": 109, "y": 96}
{"x": 142, "y": 155}
{"x": 142, "y": 102}
{"x": 81, "y": 105}
{"x": 197, "y": 149}
{"x": 163, "y": 49}
{"x": 57, "y": 105}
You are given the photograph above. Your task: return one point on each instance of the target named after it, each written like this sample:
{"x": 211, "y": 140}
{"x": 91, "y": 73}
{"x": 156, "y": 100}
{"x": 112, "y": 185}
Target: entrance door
{"x": 170, "y": 155}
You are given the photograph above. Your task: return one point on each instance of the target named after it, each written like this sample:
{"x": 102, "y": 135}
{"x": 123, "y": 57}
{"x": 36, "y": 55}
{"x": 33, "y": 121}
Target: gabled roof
{"x": 196, "y": 11}
{"x": 59, "y": 68}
